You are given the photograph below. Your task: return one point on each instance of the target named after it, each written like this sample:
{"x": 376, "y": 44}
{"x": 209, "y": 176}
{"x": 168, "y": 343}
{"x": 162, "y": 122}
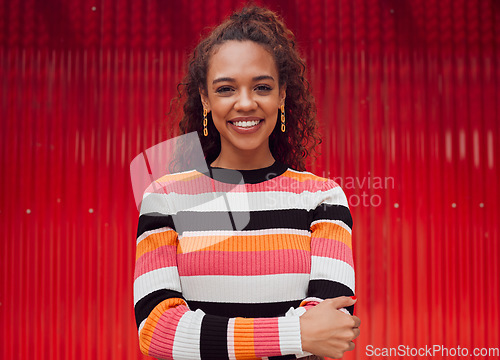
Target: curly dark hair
{"x": 264, "y": 27}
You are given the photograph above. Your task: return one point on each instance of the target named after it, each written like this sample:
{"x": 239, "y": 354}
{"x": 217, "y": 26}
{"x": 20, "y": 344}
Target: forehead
{"x": 240, "y": 59}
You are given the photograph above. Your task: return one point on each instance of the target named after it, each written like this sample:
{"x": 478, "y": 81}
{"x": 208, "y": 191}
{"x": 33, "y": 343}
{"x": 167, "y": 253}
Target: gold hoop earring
{"x": 205, "y": 122}
{"x": 282, "y": 118}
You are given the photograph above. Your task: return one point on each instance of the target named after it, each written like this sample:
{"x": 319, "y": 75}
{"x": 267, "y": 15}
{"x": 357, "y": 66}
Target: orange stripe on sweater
{"x": 180, "y": 177}
{"x": 241, "y": 243}
{"x": 303, "y": 177}
{"x": 154, "y": 241}
{"x": 244, "y": 347}
{"x": 149, "y": 327}
{"x": 332, "y": 231}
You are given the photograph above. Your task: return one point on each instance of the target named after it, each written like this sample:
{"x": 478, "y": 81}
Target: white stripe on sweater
{"x": 163, "y": 278}
{"x": 230, "y": 339}
{"x": 289, "y": 333}
{"x": 245, "y": 289}
{"x": 187, "y": 336}
{"x": 323, "y": 268}
{"x": 172, "y": 203}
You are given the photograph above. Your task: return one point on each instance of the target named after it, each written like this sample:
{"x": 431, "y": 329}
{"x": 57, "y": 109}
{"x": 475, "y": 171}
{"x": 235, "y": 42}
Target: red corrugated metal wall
{"x": 408, "y": 94}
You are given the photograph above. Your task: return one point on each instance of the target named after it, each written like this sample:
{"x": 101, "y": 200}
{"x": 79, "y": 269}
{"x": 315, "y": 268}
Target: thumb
{"x": 344, "y": 301}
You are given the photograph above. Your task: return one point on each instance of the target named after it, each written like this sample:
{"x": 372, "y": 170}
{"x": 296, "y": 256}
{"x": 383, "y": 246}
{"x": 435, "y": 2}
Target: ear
{"x": 282, "y": 94}
{"x": 204, "y": 99}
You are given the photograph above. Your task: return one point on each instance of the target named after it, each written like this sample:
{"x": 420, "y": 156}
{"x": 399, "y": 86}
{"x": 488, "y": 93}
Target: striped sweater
{"x": 228, "y": 260}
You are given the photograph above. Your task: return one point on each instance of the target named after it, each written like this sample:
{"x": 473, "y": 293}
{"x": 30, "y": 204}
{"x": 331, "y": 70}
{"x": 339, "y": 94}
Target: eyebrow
{"x": 230, "y": 79}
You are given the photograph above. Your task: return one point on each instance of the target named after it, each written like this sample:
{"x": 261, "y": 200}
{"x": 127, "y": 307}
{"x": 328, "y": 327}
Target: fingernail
{"x": 354, "y": 297}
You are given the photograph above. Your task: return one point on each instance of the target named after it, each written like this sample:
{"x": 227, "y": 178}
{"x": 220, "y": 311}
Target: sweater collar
{"x": 253, "y": 176}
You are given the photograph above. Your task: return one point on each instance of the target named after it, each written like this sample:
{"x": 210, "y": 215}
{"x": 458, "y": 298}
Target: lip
{"x": 250, "y": 130}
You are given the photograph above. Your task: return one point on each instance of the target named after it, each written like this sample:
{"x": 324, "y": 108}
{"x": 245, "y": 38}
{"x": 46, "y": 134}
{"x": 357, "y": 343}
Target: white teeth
{"x": 246, "y": 123}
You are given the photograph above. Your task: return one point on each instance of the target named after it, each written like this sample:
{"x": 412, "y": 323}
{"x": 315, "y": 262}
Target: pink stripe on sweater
{"x": 203, "y": 184}
{"x": 164, "y": 256}
{"x": 266, "y": 337}
{"x": 162, "y": 342}
{"x": 244, "y": 263}
{"x": 286, "y": 184}
{"x": 332, "y": 249}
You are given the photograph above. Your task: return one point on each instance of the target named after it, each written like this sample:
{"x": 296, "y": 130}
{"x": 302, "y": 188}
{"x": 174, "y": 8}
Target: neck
{"x": 244, "y": 160}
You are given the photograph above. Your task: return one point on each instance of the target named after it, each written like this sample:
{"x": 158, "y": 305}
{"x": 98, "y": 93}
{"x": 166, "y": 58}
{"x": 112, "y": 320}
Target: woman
{"x": 262, "y": 271}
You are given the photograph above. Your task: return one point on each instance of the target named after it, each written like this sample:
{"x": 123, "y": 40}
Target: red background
{"x": 406, "y": 90}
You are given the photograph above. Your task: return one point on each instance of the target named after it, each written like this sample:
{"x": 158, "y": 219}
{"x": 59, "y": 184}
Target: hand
{"x": 327, "y": 331}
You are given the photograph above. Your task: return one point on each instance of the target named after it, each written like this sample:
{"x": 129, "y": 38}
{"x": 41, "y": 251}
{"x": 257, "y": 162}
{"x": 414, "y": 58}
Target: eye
{"x": 263, "y": 88}
{"x": 223, "y": 90}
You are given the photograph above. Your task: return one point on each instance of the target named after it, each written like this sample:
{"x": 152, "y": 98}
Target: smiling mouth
{"x": 246, "y": 123}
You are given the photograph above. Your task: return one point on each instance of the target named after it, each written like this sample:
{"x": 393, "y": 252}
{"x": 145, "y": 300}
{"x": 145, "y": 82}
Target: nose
{"x": 245, "y": 101}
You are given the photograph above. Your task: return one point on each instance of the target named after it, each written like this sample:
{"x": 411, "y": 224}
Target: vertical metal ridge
{"x": 405, "y": 90}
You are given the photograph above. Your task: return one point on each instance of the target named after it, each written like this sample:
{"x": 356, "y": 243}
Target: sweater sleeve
{"x": 168, "y": 329}
{"x": 332, "y": 267}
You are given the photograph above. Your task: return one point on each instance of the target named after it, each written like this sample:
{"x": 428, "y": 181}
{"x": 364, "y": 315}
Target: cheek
{"x": 272, "y": 111}
{"x": 221, "y": 107}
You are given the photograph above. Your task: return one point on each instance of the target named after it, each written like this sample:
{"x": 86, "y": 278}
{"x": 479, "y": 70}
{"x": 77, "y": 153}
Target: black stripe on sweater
{"x": 223, "y": 220}
{"x": 254, "y": 220}
{"x": 333, "y": 212}
{"x": 244, "y": 310}
{"x": 299, "y": 219}
{"x": 327, "y": 289}
{"x": 144, "y": 306}
{"x": 153, "y": 221}
{"x": 213, "y": 338}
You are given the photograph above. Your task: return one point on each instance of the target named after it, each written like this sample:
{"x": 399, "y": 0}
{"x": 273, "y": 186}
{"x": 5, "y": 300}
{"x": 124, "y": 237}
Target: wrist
{"x": 303, "y": 334}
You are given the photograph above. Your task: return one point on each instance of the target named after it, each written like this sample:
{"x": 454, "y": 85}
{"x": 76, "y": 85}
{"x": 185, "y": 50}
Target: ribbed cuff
{"x": 289, "y": 333}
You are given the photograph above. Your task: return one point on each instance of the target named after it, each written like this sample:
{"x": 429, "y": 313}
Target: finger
{"x": 357, "y": 321}
{"x": 356, "y": 332}
{"x": 344, "y": 301}
{"x": 351, "y": 346}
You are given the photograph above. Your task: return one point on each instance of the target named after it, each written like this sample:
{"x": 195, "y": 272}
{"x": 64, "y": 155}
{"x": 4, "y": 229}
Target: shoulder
{"x": 159, "y": 194}
{"x": 310, "y": 181}
{"x": 179, "y": 176}
{"x": 174, "y": 180}
{"x": 323, "y": 190}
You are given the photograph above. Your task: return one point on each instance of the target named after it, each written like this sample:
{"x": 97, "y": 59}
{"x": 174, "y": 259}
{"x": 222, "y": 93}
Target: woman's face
{"x": 243, "y": 95}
